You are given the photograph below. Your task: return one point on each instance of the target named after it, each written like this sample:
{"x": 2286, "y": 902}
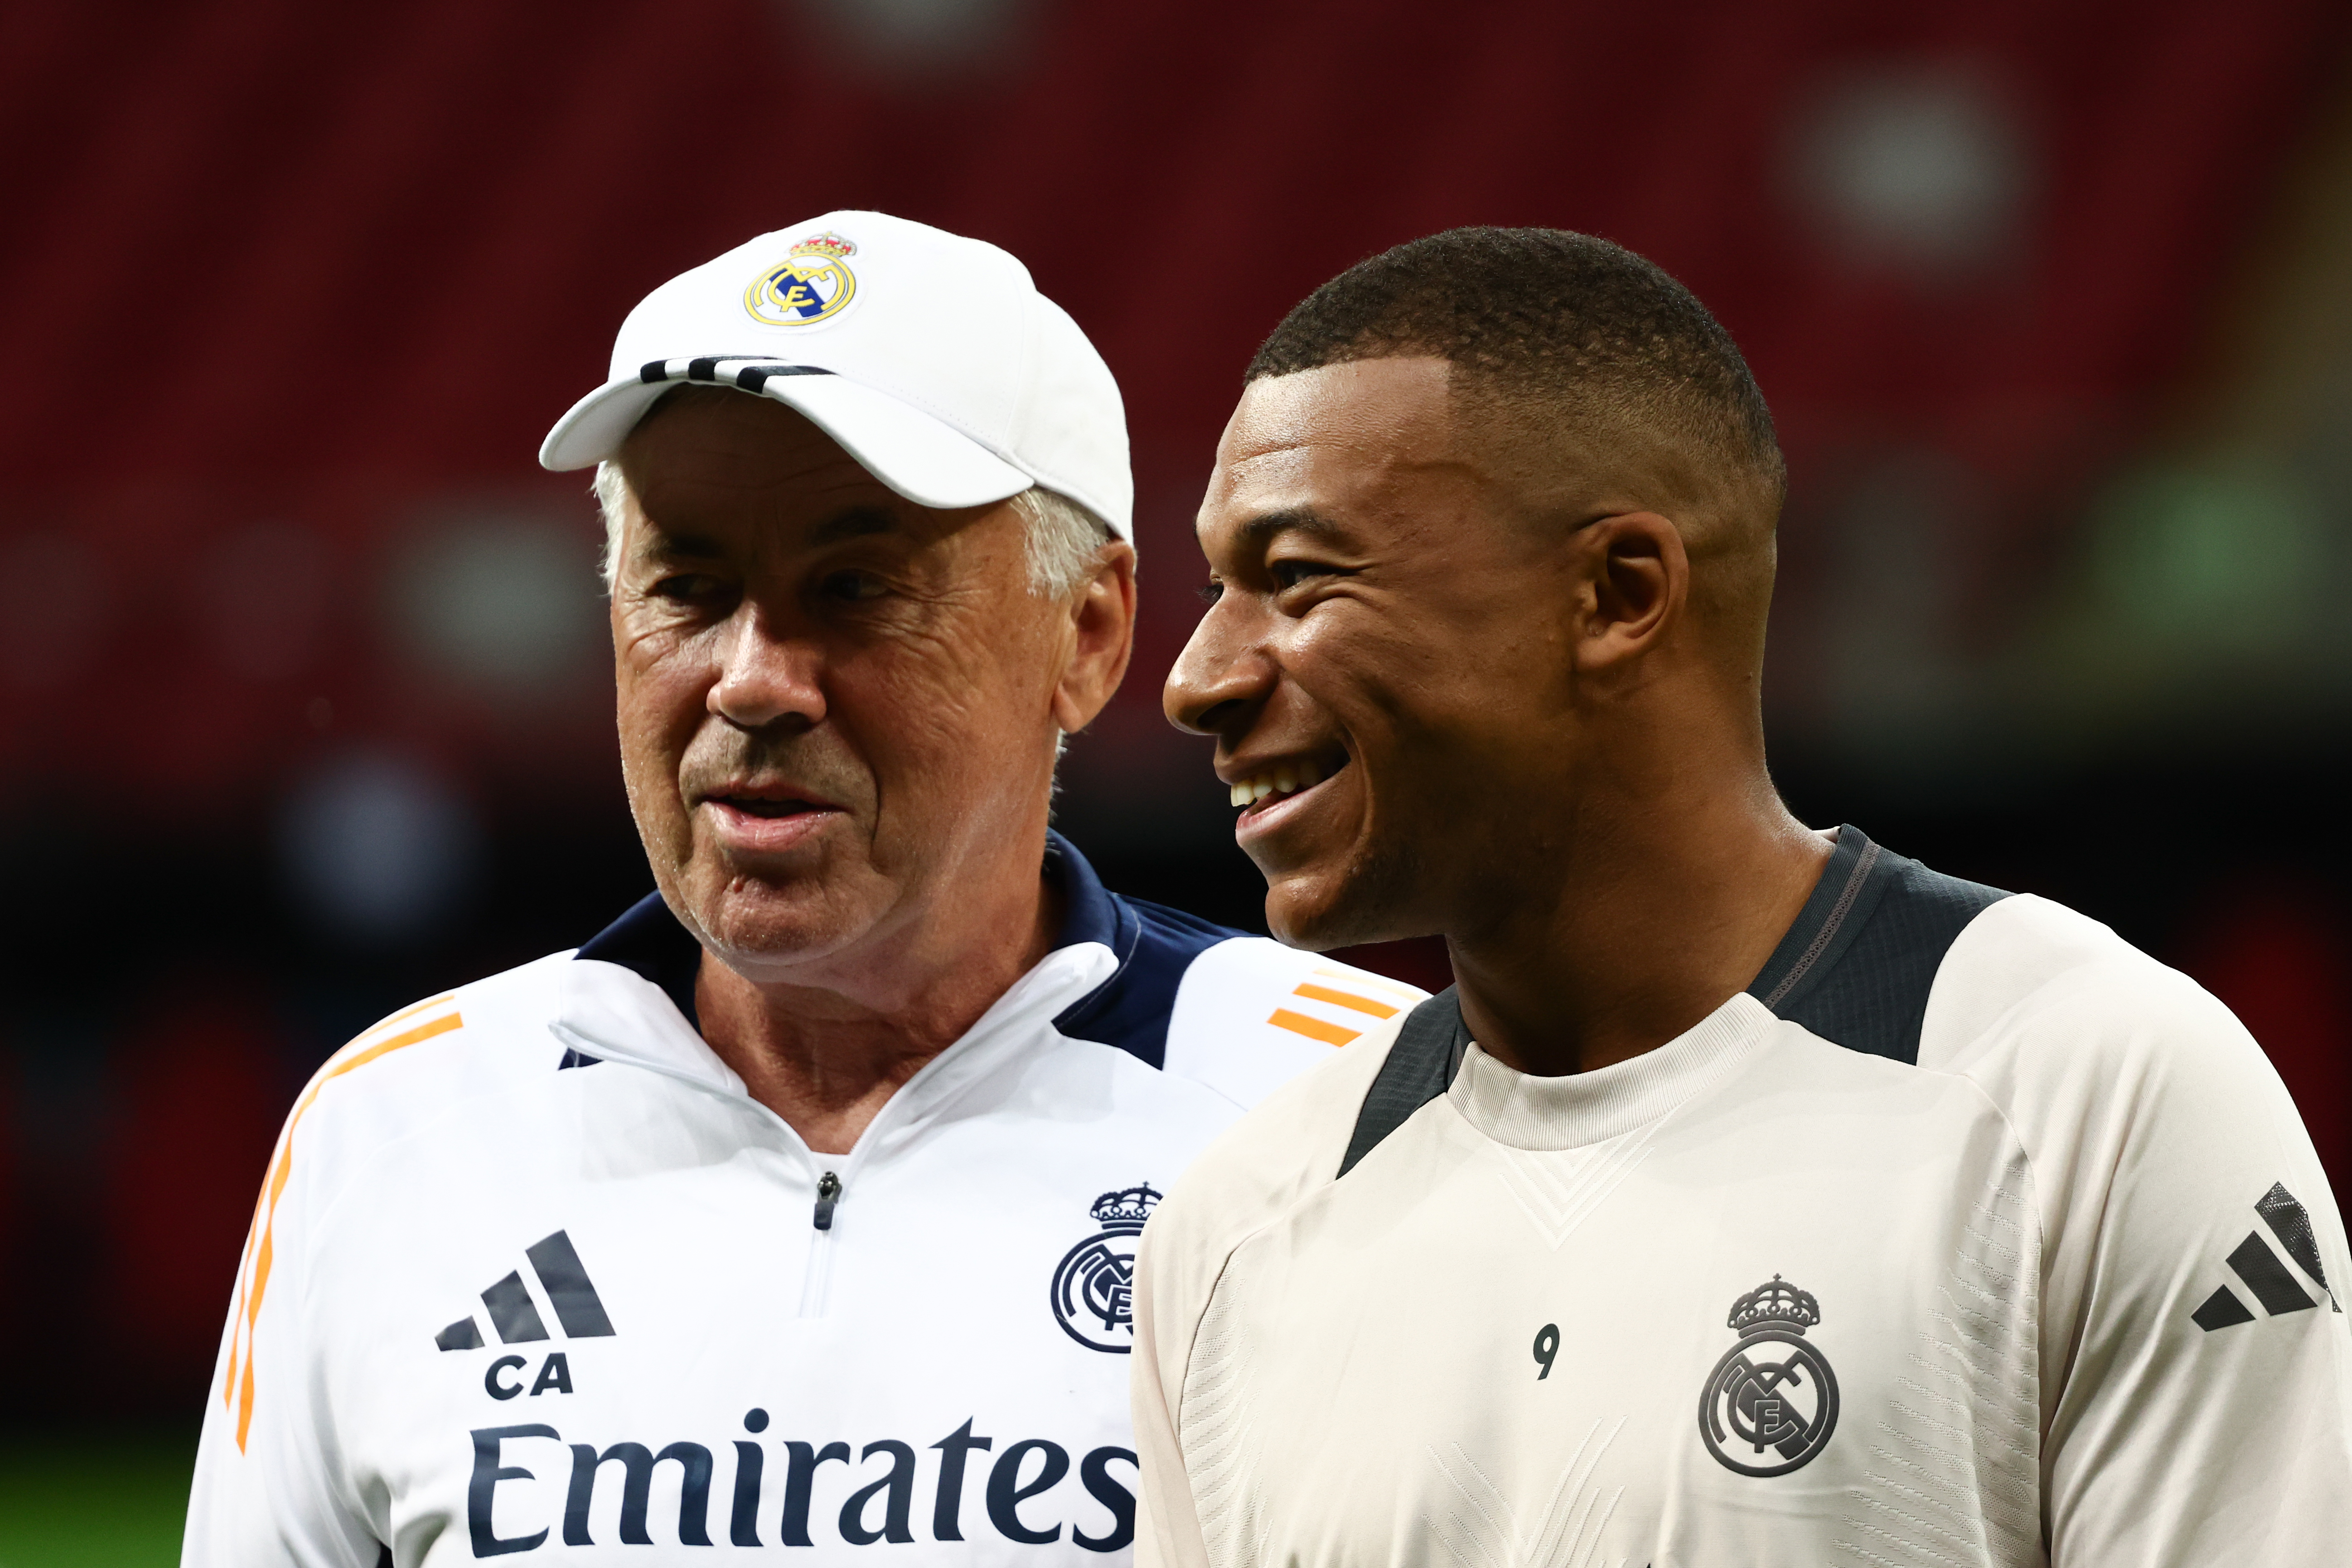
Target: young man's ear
{"x": 1636, "y": 580}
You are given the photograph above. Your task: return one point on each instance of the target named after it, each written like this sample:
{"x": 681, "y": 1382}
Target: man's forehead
{"x": 1376, "y": 404}
{"x": 1317, "y": 435}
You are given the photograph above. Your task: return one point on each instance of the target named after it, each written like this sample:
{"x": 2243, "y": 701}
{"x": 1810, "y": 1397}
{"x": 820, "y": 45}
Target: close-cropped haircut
{"x": 1598, "y": 335}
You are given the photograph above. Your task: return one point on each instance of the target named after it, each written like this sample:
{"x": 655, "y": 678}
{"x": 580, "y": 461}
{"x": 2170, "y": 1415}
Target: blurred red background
{"x": 302, "y": 707}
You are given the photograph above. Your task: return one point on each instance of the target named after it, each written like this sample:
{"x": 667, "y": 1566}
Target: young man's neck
{"x": 827, "y": 1056}
{"x": 1631, "y": 937}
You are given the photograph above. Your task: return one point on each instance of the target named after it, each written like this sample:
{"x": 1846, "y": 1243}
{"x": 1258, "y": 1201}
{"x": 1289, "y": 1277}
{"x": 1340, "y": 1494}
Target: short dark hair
{"x": 1543, "y": 313}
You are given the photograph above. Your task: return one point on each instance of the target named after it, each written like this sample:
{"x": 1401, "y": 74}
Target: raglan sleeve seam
{"x": 1200, "y": 1315}
{"x": 2016, "y": 1139}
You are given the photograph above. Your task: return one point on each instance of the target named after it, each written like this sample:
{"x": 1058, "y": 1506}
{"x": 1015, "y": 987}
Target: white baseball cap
{"x": 931, "y": 358}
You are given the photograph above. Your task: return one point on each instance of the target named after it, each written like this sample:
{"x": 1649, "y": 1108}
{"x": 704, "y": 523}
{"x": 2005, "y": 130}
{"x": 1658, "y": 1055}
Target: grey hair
{"x": 1064, "y": 537}
{"x": 611, "y": 492}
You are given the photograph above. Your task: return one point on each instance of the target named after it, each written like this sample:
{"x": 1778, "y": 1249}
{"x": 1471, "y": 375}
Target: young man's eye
{"x": 1290, "y": 573}
{"x": 1211, "y": 592}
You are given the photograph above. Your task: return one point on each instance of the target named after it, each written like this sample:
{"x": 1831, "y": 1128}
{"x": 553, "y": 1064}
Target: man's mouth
{"x": 771, "y": 806}
{"x": 1276, "y": 782}
{"x": 752, "y": 819}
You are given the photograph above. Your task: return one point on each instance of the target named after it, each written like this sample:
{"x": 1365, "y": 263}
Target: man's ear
{"x": 1635, "y": 580}
{"x": 1102, "y": 623}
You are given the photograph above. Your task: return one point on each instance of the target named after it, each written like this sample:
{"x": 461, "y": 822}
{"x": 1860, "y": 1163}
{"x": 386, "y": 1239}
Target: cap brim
{"x": 925, "y": 459}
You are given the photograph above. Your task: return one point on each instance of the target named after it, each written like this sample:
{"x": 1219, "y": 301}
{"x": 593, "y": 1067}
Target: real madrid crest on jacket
{"x": 534, "y": 1277}
{"x": 1094, "y": 1289}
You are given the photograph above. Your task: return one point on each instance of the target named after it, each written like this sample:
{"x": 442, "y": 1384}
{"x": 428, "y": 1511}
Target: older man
{"x": 799, "y": 1207}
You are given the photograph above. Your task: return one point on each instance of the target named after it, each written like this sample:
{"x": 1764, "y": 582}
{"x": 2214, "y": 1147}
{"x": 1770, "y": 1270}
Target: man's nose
{"x": 1218, "y": 681}
{"x": 767, "y": 674}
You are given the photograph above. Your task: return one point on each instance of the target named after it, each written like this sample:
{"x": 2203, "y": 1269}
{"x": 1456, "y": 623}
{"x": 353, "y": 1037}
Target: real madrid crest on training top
{"x": 813, "y": 284}
{"x": 1789, "y": 1406}
{"x": 1094, "y": 1288}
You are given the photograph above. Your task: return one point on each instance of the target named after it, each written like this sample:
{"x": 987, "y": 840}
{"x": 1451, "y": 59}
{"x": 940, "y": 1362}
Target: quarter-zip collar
{"x": 627, "y": 996}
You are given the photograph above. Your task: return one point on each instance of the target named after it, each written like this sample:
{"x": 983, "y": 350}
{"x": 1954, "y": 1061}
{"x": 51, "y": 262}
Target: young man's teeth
{"x": 1288, "y": 779}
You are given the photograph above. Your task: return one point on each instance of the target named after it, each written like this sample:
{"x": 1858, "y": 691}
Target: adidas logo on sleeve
{"x": 2258, "y": 1268}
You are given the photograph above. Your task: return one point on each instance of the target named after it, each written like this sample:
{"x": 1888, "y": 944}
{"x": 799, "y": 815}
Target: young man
{"x": 1758, "y": 1196}
{"x": 799, "y": 1207}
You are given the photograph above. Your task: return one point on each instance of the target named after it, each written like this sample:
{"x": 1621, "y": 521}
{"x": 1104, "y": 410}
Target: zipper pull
{"x": 828, "y": 1191}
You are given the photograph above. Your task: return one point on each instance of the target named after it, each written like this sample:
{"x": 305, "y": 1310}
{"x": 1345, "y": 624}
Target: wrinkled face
{"x": 834, "y": 703}
{"x": 1386, "y": 648}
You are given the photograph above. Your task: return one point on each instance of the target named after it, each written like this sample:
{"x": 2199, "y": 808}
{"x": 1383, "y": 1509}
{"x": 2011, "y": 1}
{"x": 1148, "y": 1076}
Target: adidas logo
{"x": 563, "y": 1282}
{"x": 2259, "y": 1267}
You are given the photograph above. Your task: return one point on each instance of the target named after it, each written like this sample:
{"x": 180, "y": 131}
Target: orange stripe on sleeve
{"x": 1367, "y": 978}
{"x": 1349, "y": 999}
{"x": 244, "y": 1283}
{"x": 1313, "y": 1029}
{"x": 424, "y": 1031}
{"x": 404, "y": 1013}
{"x": 282, "y": 1169}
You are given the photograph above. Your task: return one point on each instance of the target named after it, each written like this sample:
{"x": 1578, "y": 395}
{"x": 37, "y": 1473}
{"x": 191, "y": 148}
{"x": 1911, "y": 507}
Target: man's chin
{"x": 764, "y": 930}
{"x": 1317, "y": 910}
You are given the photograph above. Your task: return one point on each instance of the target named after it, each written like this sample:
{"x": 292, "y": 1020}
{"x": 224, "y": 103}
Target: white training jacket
{"x": 1967, "y": 1237}
{"x": 533, "y": 1276}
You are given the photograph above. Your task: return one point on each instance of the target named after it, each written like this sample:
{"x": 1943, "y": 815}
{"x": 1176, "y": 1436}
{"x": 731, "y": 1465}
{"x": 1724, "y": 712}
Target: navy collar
{"x": 1090, "y": 911}
{"x": 649, "y": 940}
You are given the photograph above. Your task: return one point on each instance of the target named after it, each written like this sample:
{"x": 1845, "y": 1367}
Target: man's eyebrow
{"x": 657, "y": 542}
{"x": 856, "y": 522}
{"x": 1261, "y": 530}
{"x": 852, "y": 522}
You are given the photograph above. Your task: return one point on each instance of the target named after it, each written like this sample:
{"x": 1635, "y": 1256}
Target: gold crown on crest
{"x": 830, "y": 245}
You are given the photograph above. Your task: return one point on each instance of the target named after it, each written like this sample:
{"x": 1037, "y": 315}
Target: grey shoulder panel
{"x": 1421, "y": 1065}
{"x": 1857, "y": 965}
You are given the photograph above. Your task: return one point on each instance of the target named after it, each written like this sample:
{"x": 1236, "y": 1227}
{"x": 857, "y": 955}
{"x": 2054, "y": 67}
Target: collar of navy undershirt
{"x": 1153, "y": 946}
{"x": 649, "y": 939}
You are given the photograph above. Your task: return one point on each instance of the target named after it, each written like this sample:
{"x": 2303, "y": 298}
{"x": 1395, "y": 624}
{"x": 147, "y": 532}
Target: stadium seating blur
{"x": 303, "y": 709}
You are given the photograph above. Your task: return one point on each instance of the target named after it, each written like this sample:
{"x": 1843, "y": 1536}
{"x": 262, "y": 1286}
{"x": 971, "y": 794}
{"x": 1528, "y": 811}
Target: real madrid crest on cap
{"x": 811, "y": 285}
{"x": 1094, "y": 1288}
{"x": 1754, "y": 1404}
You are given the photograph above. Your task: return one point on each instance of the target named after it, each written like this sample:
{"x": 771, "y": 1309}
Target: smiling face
{"x": 1389, "y": 648}
{"x": 838, "y": 709}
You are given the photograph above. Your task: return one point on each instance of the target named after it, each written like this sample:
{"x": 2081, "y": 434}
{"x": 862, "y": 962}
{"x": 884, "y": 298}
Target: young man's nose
{"x": 1214, "y": 685}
